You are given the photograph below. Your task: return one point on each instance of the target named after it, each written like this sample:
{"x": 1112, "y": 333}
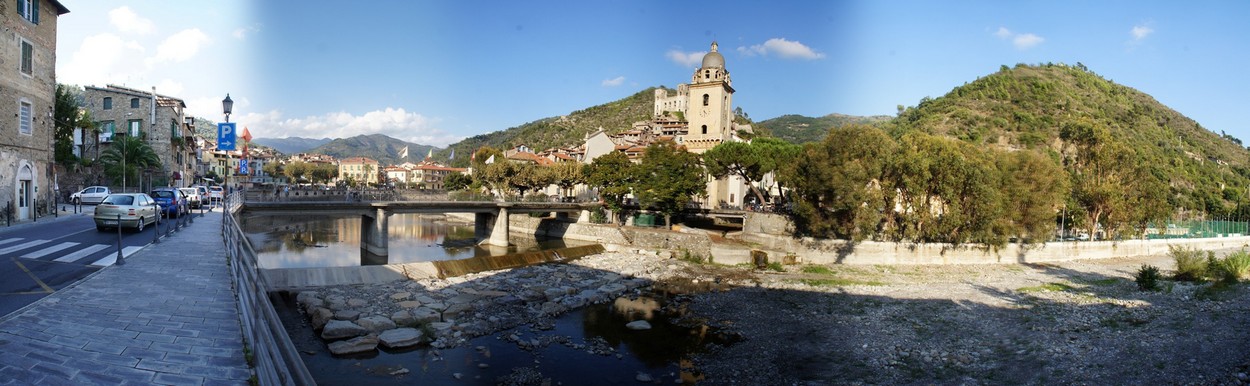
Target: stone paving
{"x": 167, "y": 316}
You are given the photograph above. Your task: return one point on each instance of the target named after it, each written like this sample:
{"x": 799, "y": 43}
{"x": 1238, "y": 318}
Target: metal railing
{"x": 275, "y": 358}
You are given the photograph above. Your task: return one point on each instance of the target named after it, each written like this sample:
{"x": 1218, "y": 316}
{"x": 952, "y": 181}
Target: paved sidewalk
{"x": 168, "y": 316}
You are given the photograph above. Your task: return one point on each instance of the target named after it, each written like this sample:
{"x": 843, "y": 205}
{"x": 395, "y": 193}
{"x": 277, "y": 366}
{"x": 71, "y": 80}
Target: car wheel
{"x": 139, "y": 228}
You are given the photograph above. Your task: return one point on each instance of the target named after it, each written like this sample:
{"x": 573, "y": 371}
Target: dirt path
{"x": 1082, "y": 322}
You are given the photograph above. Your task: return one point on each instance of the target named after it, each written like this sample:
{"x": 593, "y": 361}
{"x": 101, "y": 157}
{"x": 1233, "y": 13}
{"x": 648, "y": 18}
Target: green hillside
{"x": 614, "y": 117}
{"x": 1029, "y": 107}
{"x": 379, "y": 147}
{"x": 799, "y": 129}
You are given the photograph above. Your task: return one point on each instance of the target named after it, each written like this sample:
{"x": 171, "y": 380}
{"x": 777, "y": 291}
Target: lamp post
{"x": 227, "y": 105}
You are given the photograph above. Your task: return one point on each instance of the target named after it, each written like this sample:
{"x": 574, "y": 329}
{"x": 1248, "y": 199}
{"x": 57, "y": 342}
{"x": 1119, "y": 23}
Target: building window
{"x": 108, "y": 103}
{"x": 704, "y": 129}
{"x": 134, "y": 125}
{"x": 705, "y": 99}
{"x": 28, "y": 58}
{"x": 29, "y": 9}
{"x": 173, "y": 130}
{"x": 134, "y": 103}
{"x": 25, "y": 115}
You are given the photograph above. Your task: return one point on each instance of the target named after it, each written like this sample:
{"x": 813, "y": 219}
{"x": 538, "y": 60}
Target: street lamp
{"x": 226, "y": 106}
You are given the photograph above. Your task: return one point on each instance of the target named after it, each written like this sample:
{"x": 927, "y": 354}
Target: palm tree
{"x": 126, "y": 157}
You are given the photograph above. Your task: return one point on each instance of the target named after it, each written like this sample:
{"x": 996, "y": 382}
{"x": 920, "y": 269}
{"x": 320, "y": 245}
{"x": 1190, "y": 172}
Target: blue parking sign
{"x": 243, "y": 166}
{"x": 225, "y": 136}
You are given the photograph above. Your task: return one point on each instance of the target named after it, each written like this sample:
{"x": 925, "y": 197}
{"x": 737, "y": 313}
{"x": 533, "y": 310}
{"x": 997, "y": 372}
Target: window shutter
{"x": 21, "y": 7}
{"x": 35, "y": 14}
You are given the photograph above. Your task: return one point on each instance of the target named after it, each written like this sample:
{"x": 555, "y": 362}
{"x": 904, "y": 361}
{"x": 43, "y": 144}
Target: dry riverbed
{"x": 1081, "y": 322}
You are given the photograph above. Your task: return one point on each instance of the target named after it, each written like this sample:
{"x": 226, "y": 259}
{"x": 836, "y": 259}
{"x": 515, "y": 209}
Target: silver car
{"x": 126, "y": 210}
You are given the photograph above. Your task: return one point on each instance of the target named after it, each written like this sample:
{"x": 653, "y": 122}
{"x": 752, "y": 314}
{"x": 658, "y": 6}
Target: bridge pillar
{"x": 584, "y": 217}
{"x": 492, "y": 228}
{"x": 374, "y": 236}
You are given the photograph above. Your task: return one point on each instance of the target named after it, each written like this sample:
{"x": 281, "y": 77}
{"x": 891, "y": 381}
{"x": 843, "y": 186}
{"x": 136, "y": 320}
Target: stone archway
{"x": 25, "y": 191}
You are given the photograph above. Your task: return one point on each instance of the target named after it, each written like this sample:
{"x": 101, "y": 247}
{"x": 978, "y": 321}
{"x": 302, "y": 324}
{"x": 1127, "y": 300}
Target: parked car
{"x": 193, "y": 197}
{"x": 171, "y": 200}
{"x": 136, "y": 209}
{"x": 204, "y": 199}
{"x": 216, "y": 193}
{"x": 90, "y": 195}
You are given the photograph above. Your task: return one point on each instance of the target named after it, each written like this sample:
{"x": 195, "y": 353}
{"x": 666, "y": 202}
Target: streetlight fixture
{"x": 227, "y": 105}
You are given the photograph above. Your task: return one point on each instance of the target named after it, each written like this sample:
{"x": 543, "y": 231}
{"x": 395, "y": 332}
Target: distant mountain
{"x": 613, "y": 117}
{"x": 291, "y": 145}
{"x": 379, "y": 147}
{"x": 799, "y": 129}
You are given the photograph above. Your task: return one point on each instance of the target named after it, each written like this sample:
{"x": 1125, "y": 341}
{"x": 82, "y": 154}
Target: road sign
{"x": 243, "y": 166}
{"x": 225, "y": 136}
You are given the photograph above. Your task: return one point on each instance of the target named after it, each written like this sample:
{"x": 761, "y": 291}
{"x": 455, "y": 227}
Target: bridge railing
{"x": 274, "y": 357}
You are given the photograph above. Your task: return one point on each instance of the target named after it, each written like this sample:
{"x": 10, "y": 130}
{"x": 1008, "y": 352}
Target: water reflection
{"x": 307, "y": 241}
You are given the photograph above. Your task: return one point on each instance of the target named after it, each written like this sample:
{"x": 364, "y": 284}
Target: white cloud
{"x": 180, "y": 47}
{"x": 1026, "y": 41}
{"x": 393, "y": 122}
{"x": 1141, "y": 32}
{"x": 686, "y": 59}
{"x": 101, "y": 56}
{"x": 126, "y": 20}
{"x": 782, "y": 48}
{"x": 169, "y": 87}
{"x": 617, "y": 81}
{"x": 242, "y": 33}
{"x": 1020, "y": 41}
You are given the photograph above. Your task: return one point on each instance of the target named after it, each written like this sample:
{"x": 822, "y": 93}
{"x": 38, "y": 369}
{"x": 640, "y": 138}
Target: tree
{"x": 736, "y": 159}
{"x": 296, "y": 171}
{"x": 323, "y": 173}
{"x": 65, "y": 120}
{"x": 457, "y": 181}
{"x": 1037, "y": 186}
{"x": 126, "y": 157}
{"x": 567, "y": 175}
{"x": 368, "y": 171}
{"x": 837, "y": 183}
{"x": 273, "y": 169}
{"x": 668, "y": 178}
{"x": 612, "y": 175}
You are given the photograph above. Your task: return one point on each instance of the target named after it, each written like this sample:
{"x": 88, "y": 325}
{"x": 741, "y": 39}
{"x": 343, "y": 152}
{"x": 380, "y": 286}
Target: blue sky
{"x": 434, "y": 72}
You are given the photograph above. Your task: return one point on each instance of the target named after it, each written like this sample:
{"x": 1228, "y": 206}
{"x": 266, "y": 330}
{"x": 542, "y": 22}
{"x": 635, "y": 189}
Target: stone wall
{"x": 809, "y": 250}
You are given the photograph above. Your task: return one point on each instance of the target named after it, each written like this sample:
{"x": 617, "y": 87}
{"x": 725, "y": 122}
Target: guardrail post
{"x": 156, "y": 233}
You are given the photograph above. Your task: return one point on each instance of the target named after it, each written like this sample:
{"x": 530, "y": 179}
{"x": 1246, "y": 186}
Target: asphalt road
{"x": 37, "y": 259}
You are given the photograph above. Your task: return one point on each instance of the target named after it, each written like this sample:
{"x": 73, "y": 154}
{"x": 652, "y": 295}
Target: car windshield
{"x": 120, "y": 200}
{"x": 162, "y": 194}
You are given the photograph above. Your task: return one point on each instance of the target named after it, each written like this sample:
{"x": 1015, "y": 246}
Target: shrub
{"x": 1147, "y": 277}
{"x": 776, "y": 266}
{"x": 1231, "y": 268}
{"x": 1191, "y": 264}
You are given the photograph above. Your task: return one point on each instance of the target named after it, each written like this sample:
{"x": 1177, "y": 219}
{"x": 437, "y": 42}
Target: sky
{"x": 435, "y": 72}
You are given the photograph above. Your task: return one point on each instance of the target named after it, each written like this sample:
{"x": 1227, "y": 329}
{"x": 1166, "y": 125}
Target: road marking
{"x": 112, "y": 257}
{"x": 22, "y": 246}
{"x": 81, "y": 253}
{"x": 6, "y": 241}
{"x": 33, "y": 277}
{"x": 49, "y": 250}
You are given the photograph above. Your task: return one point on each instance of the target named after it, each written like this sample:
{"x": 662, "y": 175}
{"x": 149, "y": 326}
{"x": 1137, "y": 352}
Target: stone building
{"x": 27, "y": 98}
{"x": 159, "y": 120}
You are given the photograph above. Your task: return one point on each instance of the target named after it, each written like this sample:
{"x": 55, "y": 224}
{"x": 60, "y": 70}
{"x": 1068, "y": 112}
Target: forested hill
{"x": 379, "y": 147}
{"x": 800, "y": 129}
{"x": 614, "y": 117}
{"x": 1052, "y": 107}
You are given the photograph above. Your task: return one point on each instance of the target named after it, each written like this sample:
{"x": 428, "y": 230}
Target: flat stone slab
{"x": 339, "y": 329}
{"x": 400, "y": 337}
{"x": 354, "y": 345}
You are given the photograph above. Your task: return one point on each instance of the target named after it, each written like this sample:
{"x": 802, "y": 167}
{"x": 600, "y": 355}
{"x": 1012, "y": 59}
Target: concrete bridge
{"x": 490, "y": 219}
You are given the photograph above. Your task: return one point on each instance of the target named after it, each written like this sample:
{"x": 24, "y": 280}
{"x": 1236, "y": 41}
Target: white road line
{"x": 49, "y": 250}
{"x": 112, "y": 257}
{"x": 6, "y": 241}
{"x": 81, "y": 253}
{"x": 22, "y": 246}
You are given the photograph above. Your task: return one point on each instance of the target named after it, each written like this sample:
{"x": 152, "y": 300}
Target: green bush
{"x": 1231, "y": 268}
{"x": 1148, "y": 278}
{"x": 1191, "y": 263}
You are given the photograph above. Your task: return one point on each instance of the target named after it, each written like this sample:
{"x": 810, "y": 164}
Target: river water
{"x": 585, "y": 346}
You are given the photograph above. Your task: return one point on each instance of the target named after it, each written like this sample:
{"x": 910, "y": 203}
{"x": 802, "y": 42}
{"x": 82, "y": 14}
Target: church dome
{"x": 713, "y": 58}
